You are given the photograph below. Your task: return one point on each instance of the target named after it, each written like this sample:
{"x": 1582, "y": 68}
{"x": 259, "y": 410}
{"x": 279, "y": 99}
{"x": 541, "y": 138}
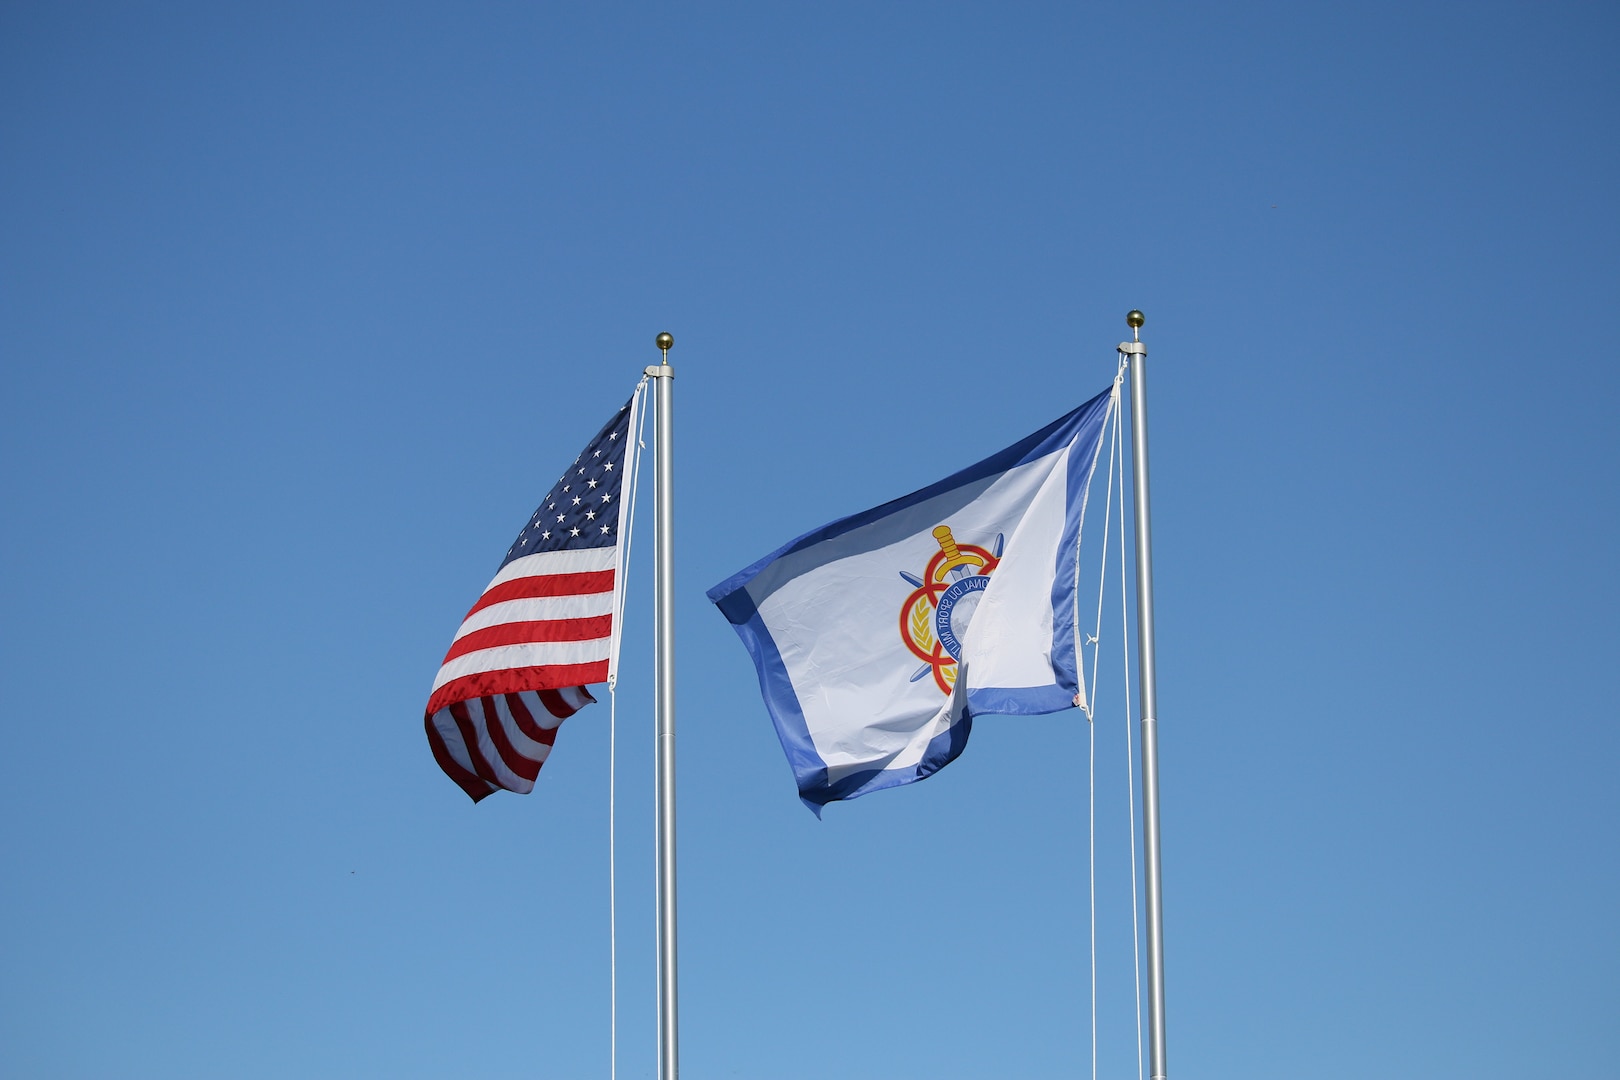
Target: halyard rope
{"x": 638, "y": 420}
{"x": 1116, "y": 472}
{"x": 1091, "y": 705}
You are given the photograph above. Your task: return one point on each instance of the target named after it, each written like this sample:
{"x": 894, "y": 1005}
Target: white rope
{"x": 1091, "y": 727}
{"x": 627, "y": 521}
{"x": 1110, "y": 433}
{"x": 1130, "y": 765}
{"x": 1080, "y": 699}
{"x": 613, "y": 896}
{"x": 1086, "y": 702}
{"x": 1091, "y": 854}
{"x": 1116, "y": 471}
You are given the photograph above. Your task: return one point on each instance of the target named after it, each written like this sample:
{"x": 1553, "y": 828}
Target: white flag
{"x": 879, "y": 637}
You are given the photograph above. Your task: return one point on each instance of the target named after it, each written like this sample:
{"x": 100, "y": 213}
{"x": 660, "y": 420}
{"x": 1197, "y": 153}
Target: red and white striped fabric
{"x": 541, "y": 631}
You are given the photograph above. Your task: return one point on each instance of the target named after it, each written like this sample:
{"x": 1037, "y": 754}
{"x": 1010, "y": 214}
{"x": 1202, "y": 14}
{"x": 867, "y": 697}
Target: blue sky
{"x": 301, "y": 306}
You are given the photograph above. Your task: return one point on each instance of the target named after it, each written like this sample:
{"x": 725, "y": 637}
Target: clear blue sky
{"x": 301, "y": 307}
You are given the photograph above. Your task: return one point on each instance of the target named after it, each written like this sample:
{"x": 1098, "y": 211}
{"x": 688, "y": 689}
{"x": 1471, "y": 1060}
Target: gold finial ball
{"x": 664, "y": 341}
{"x": 1134, "y": 319}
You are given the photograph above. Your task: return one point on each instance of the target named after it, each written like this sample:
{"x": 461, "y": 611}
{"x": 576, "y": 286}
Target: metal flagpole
{"x": 1137, "y": 353}
{"x": 663, "y": 377}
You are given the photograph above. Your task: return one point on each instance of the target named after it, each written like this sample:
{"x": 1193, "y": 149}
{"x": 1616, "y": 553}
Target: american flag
{"x": 541, "y": 632}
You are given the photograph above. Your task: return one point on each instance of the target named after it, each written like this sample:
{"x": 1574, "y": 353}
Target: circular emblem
{"x": 936, "y": 614}
{"x": 956, "y": 606}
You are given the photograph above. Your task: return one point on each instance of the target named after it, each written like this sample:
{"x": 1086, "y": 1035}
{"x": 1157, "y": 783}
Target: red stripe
{"x": 525, "y": 720}
{"x": 582, "y": 692}
{"x": 558, "y": 706}
{"x": 527, "y": 633}
{"x": 469, "y": 740}
{"x": 516, "y": 680}
{"x": 474, "y": 787}
{"x": 525, "y": 767}
{"x": 527, "y": 588}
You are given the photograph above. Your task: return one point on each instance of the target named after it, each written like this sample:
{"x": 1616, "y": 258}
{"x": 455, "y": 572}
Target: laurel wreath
{"x": 922, "y": 625}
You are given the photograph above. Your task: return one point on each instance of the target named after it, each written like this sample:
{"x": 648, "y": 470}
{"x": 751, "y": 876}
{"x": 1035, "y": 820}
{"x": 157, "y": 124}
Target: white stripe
{"x": 538, "y": 609}
{"x": 535, "y": 654}
{"x": 537, "y": 708}
{"x": 534, "y": 751}
{"x": 575, "y": 697}
{"x": 445, "y": 725}
{"x": 546, "y": 563}
{"x": 505, "y": 777}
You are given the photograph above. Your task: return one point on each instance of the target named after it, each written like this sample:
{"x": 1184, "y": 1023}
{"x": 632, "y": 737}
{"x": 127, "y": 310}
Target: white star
{"x": 565, "y": 487}
{"x": 592, "y": 483}
{"x": 560, "y": 517}
{"x": 608, "y": 466}
{"x": 582, "y": 472}
{"x": 590, "y": 515}
{"x": 545, "y": 536}
{"x": 573, "y": 532}
{"x": 576, "y": 500}
{"x": 604, "y": 528}
{"x": 597, "y": 454}
{"x": 607, "y": 498}
{"x": 613, "y": 436}
{"x": 551, "y": 506}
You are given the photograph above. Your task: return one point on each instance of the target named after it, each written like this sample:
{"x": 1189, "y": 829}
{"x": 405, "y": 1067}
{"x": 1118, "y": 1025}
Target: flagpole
{"x": 663, "y": 377}
{"x": 1146, "y": 676}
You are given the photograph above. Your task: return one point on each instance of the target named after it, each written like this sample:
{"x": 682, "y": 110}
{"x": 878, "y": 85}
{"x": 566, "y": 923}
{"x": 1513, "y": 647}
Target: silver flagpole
{"x": 1137, "y": 353}
{"x": 663, "y": 377}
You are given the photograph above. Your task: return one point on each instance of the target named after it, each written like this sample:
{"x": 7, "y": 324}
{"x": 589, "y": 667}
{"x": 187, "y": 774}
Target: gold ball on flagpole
{"x": 664, "y": 341}
{"x": 1134, "y": 319}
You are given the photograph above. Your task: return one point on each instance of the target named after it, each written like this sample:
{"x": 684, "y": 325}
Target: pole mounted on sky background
{"x": 854, "y": 711}
{"x": 1135, "y": 354}
{"x": 663, "y": 377}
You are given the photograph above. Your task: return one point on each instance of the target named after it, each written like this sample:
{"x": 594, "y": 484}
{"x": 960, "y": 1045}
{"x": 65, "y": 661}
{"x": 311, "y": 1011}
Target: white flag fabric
{"x": 877, "y": 638}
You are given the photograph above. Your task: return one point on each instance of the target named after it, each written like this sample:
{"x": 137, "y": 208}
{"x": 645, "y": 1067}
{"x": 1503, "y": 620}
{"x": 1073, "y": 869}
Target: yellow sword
{"x": 957, "y": 564}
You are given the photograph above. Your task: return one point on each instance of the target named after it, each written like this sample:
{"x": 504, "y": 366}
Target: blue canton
{"x": 582, "y": 510}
